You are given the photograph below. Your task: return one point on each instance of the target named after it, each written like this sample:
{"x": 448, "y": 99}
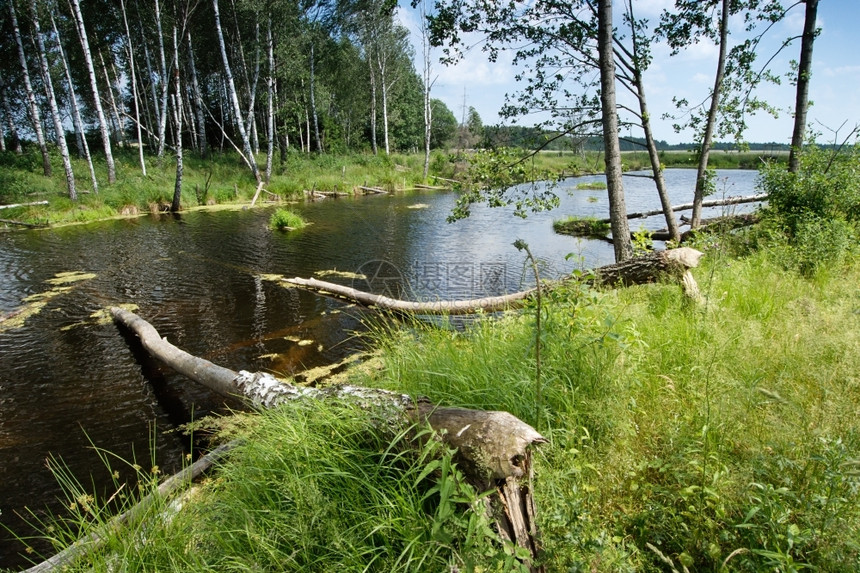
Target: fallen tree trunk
{"x": 493, "y": 447}
{"x": 453, "y": 307}
{"x": 12, "y": 206}
{"x": 673, "y": 263}
{"x": 689, "y": 206}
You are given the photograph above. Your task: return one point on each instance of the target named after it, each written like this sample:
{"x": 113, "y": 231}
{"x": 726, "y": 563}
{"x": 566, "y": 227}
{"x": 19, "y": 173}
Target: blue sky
{"x": 834, "y": 91}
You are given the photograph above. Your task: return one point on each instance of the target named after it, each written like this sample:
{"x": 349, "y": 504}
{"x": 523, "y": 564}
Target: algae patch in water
{"x": 271, "y": 277}
{"x": 70, "y": 277}
{"x": 101, "y": 317}
{"x": 341, "y": 274}
{"x": 34, "y": 303}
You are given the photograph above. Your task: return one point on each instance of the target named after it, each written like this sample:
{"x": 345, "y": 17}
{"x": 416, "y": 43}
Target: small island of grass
{"x": 286, "y": 220}
{"x": 581, "y": 227}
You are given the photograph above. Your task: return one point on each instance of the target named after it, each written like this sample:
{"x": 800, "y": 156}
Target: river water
{"x": 70, "y": 383}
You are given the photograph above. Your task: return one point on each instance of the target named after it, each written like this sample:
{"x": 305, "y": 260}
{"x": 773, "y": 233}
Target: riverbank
{"x": 715, "y": 434}
{"x": 223, "y": 180}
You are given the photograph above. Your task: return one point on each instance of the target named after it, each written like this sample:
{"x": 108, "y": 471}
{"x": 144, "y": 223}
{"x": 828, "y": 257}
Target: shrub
{"x": 286, "y": 220}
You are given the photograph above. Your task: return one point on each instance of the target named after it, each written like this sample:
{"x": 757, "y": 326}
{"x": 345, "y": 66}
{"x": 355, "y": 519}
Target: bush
{"x": 286, "y": 220}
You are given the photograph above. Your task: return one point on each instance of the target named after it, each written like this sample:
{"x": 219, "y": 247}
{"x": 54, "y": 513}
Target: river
{"x": 70, "y": 383}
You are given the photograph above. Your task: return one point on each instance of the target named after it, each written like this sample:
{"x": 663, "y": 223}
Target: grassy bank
{"x": 223, "y": 179}
{"x": 721, "y": 434}
{"x": 219, "y": 179}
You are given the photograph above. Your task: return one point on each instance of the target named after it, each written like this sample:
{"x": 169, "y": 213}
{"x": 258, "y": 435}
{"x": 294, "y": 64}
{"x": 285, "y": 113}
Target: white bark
{"x": 76, "y": 113}
{"x": 52, "y": 103}
{"x": 134, "y": 94}
{"x": 165, "y": 84}
{"x": 35, "y": 116}
{"x": 615, "y": 186}
{"x": 120, "y": 128}
{"x": 88, "y": 59}
{"x": 270, "y": 116}
{"x": 177, "y": 118}
{"x": 710, "y": 124}
{"x": 198, "y": 101}
{"x": 231, "y": 89}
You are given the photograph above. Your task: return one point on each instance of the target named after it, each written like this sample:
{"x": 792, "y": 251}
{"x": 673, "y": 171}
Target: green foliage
{"x": 286, "y": 220}
{"x": 815, "y": 212}
{"x": 642, "y": 242}
{"x": 502, "y": 177}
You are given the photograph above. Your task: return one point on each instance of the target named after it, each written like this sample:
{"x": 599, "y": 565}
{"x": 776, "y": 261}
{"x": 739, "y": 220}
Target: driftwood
{"x": 493, "y": 447}
{"x": 452, "y": 307}
{"x": 97, "y": 539}
{"x": 372, "y": 190}
{"x": 689, "y": 206}
{"x": 12, "y": 206}
{"x": 674, "y": 263}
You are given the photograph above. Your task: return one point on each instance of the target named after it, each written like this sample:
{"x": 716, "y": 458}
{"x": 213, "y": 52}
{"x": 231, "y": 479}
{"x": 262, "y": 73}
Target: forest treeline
{"x": 320, "y": 76}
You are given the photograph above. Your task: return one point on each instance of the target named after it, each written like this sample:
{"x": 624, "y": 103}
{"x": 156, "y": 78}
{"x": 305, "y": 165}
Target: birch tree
{"x": 88, "y": 60}
{"x": 177, "y": 118}
{"x": 52, "y": 103}
{"x": 234, "y": 99}
{"x": 35, "y": 116}
{"x": 198, "y": 100}
{"x": 76, "y": 113}
{"x": 134, "y": 95}
{"x": 804, "y": 74}
{"x": 609, "y": 120}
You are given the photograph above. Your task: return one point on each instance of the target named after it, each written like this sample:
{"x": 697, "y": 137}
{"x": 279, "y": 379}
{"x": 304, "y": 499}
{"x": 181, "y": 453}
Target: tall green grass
{"x": 721, "y": 433}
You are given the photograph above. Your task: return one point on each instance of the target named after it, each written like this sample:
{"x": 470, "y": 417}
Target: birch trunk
{"x": 428, "y": 84}
{"x": 614, "y": 184}
{"x": 635, "y": 69}
{"x": 177, "y": 118}
{"x": 76, "y": 114}
{"x": 134, "y": 94}
{"x": 117, "y": 118}
{"x": 198, "y": 101}
{"x": 237, "y": 109}
{"x": 270, "y": 116}
{"x": 314, "y": 107}
{"x": 52, "y": 103}
{"x": 804, "y": 74}
{"x": 373, "y": 112}
{"x": 14, "y": 138}
{"x": 35, "y": 116}
{"x": 88, "y": 59}
{"x": 165, "y": 84}
{"x": 710, "y": 125}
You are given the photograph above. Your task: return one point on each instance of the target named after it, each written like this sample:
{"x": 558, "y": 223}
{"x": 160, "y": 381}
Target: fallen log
{"x": 372, "y": 190}
{"x": 452, "y": 307}
{"x": 673, "y": 263}
{"x": 98, "y": 538}
{"x": 23, "y": 224}
{"x": 12, "y": 206}
{"x": 689, "y": 206}
{"x": 493, "y": 447}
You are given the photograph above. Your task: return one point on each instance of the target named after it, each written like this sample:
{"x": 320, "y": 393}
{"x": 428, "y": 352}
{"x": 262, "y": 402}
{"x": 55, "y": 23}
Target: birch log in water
{"x": 493, "y": 447}
{"x": 673, "y": 263}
